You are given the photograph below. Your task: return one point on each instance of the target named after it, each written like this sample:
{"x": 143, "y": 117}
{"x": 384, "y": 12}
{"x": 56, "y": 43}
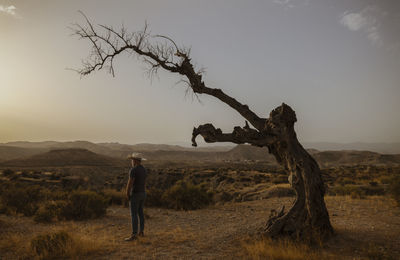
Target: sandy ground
{"x": 218, "y": 231}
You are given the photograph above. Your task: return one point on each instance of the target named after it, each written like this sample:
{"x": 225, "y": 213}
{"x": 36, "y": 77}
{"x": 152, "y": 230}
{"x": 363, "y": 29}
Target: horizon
{"x": 173, "y": 143}
{"x": 335, "y": 63}
{"x": 382, "y": 148}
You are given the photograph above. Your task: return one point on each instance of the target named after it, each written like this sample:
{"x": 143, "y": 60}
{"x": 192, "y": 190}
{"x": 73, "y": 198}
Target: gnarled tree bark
{"x": 308, "y": 215}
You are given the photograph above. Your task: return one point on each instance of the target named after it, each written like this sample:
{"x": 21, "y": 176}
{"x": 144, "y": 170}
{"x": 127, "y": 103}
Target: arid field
{"x": 264, "y": 129}
{"x": 365, "y": 229}
{"x": 75, "y": 207}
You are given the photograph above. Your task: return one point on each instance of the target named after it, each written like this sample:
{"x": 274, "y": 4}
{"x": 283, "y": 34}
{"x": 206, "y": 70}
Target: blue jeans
{"x": 136, "y": 205}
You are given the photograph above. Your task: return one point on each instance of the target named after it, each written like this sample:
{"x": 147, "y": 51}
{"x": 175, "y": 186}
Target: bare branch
{"x": 109, "y": 43}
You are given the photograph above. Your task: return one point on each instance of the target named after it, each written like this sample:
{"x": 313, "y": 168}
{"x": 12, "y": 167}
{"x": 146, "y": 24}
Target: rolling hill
{"x": 24, "y": 154}
{"x": 11, "y": 152}
{"x": 14, "y": 150}
{"x": 355, "y": 157}
{"x": 65, "y": 157}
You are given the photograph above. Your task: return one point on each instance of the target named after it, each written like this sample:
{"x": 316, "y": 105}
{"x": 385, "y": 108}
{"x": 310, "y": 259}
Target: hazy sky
{"x": 336, "y": 63}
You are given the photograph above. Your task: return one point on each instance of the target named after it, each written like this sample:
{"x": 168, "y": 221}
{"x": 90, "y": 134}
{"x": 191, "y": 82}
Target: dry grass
{"x": 366, "y": 229}
{"x": 87, "y": 245}
{"x": 279, "y": 249}
{"x": 78, "y": 245}
{"x": 174, "y": 236}
{"x": 167, "y": 238}
{"x": 161, "y": 244}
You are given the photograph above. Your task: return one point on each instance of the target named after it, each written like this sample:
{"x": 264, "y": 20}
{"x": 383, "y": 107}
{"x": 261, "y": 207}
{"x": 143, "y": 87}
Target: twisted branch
{"x": 239, "y": 135}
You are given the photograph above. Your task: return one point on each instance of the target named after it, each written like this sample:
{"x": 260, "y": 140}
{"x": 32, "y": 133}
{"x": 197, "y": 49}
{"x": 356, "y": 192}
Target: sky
{"x": 335, "y": 62}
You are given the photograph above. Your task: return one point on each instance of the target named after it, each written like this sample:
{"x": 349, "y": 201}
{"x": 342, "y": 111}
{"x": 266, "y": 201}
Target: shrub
{"x": 22, "y": 198}
{"x": 44, "y": 214}
{"x": 8, "y": 172}
{"x": 3, "y": 209}
{"x": 154, "y": 197}
{"x": 84, "y": 205}
{"x": 346, "y": 181}
{"x": 186, "y": 196}
{"x": 50, "y": 246}
{"x": 50, "y": 211}
{"x": 344, "y": 190}
{"x": 115, "y": 197}
{"x": 280, "y": 190}
{"x": 373, "y": 190}
{"x": 394, "y": 188}
{"x": 385, "y": 179}
{"x": 57, "y": 195}
{"x": 279, "y": 179}
{"x": 373, "y": 183}
{"x": 224, "y": 196}
{"x": 357, "y": 194}
{"x": 356, "y": 191}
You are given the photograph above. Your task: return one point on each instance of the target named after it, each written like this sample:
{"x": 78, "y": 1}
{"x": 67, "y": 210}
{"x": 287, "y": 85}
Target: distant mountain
{"x": 25, "y": 144}
{"x": 325, "y": 158}
{"x": 87, "y": 153}
{"x": 147, "y": 147}
{"x": 65, "y": 157}
{"x": 355, "y": 157}
{"x": 52, "y": 145}
{"x": 10, "y": 152}
{"x": 248, "y": 152}
{"x": 384, "y": 148}
{"x": 110, "y": 149}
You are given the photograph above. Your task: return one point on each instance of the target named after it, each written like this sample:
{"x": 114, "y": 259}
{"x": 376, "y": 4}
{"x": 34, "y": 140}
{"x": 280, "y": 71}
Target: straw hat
{"x": 136, "y": 156}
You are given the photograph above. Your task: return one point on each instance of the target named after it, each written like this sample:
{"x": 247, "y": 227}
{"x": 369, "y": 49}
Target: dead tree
{"x": 308, "y": 214}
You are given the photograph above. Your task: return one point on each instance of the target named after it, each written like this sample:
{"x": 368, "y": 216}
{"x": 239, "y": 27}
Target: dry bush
{"x": 7, "y": 172}
{"x": 280, "y": 190}
{"x": 376, "y": 252}
{"x": 356, "y": 191}
{"x": 84, "y": 205}
{"x": 51, "y": 245}
{"x": 50, "y": 211}
{"x": 223, "y": 196}
{"x": 279, "y": 249}
{"x": 357, "y": 194}
{"x": 385, "y": 179}
{"x": 277, "y": 179}
{"x": 345, "y": 181}
{"x": 181, "y": 196}
{"x": 21, "y": 198}
{"x": 46, "y": 205}
{"x": 54, "y": 244}
{"x": 154, "y": 198}
{"x": 15, "y": 244}
{"x": 65, "y": 245}
{"x": 394, "y": 188}
{"x": 115, "y": 197}
{"x": 186, "y": 196}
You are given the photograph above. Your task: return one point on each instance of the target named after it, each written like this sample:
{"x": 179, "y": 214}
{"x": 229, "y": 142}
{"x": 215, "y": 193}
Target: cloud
{"x": 282, "y": 2}
{"x": 286, "y": 3}
{"x": 291, "y": 3}
{"x": 364, "y": 21}
{"x": 374, "y": 36}
{"x": 10, "y": 10}
{"x": 353, "y": 21}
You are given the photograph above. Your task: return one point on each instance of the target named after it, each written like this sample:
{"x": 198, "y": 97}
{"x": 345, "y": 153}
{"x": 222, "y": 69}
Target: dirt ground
{"x": 217, "y": 232}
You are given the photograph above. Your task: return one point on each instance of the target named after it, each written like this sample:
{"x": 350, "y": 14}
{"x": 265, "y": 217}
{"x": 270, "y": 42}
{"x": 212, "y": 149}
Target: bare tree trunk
{"x": 308, "y": 215}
